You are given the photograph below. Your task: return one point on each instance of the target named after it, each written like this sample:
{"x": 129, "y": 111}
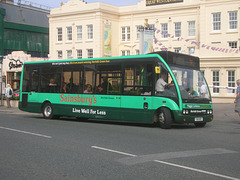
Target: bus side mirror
{"x": 157, "y": 69}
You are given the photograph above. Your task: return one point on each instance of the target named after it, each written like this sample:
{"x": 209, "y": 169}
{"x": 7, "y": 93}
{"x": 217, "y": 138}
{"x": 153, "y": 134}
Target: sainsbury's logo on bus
{"x": 78, "y": 99}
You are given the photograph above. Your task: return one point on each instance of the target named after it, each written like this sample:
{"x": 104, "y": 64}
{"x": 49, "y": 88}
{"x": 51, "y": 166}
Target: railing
{"x": 28, "y": 4}
{"x": 222, "y": 87}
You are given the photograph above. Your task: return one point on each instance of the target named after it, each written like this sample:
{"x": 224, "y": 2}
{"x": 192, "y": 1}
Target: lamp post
{"x": 1, "y": 79}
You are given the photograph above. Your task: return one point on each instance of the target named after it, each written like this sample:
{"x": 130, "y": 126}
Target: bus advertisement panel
{"x": 161, "y": 88}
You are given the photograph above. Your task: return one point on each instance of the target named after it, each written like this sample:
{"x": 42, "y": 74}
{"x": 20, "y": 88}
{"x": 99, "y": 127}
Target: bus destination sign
{"x": 158, "y": 2}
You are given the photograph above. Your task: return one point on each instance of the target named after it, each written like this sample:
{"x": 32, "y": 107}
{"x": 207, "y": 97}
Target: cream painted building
{"x": 205, "y": 28}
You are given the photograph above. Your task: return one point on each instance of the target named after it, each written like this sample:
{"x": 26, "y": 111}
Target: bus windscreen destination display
{"x": 177, "y": 59}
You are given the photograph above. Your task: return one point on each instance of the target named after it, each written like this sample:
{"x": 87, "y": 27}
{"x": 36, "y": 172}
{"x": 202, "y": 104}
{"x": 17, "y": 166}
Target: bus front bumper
{"x": 181, "y": 118}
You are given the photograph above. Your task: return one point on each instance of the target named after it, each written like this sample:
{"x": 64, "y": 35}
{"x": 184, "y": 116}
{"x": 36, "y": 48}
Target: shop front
{"x": 12, "y": 68}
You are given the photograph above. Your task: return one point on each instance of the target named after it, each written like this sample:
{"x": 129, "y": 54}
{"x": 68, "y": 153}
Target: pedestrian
{"x": 8, "y": 95}
{"x": 237, "y": 99}
{"x": 203, "y": 90}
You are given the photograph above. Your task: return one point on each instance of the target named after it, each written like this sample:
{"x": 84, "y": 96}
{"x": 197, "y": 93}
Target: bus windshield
{"x": 192, "y": 84}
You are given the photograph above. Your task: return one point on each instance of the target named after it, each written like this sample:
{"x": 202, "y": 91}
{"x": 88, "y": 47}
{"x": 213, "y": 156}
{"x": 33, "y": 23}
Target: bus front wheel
{"x": 165, "y": 118}
{"x": 47, "y": 111}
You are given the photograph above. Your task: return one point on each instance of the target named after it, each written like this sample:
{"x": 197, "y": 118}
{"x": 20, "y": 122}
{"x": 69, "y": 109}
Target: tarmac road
{"x": 34, "y": 148}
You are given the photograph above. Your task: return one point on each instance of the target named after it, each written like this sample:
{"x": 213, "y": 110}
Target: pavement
{"x": 221, "y": 111}
{"x": 13, "y": 110}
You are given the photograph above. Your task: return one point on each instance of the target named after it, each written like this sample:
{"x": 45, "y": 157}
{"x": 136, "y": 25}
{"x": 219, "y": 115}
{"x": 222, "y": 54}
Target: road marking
{"x": 176, "y": 165}
{"x": 197, "y": 170}
{"x": 118, "y": 152}
{"x": 25, "y": 132}
{"x": 173, "y": 155}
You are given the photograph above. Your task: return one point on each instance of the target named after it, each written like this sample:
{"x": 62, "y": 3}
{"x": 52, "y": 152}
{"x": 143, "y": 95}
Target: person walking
{"x": 8, "y": 95}
{"x": 237, "y": 99}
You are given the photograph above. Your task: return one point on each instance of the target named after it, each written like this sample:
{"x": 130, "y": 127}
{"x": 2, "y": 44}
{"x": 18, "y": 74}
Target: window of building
{"x": 59, "y": 34}
{"x": 126, "y": 53}
{"x": 34, "y": 53}
{"x": 177, "y": 29}
{"x": 79, "y": 33}
{"x": 191, "y": 50}
{"x": 231, "y": 81}
{"x": 164, "y": 49}
{"x": 232, "y": 44}
{"x": 90, "y": 32}
{"x": 69, "y": 33}
{"x": 215, "y": 80}
{"x": 126, "y": 33}
{"x": 13, "y": 78}
{"x": 138, "y": 31}
{"x": 177, "y": 50}
{"x": 191, "y": 28}
{"x": 69, "y": 54}
{"x": 233, "y": 20}
{"x": 164, "y": 30}
{"x": 59, "y": 53}
{"x": 137, "y": 51}
{"x": 79, "y": 54}
{"x": 216, "y": 21}
{"x": 90, "y": 53}
{"x": 151, "y": 26}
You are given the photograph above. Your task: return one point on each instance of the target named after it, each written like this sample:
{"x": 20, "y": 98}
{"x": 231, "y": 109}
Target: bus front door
{"x": 136, "y": 109}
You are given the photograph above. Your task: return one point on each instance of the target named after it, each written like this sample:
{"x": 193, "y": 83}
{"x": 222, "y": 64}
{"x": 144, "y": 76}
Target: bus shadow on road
{"x": 104, "y": 121}
{"x": 121, "y": 123}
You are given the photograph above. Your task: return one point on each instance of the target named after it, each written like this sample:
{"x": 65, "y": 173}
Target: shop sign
{"x": 158, "y": 2}
{"x": 13, "y": 64}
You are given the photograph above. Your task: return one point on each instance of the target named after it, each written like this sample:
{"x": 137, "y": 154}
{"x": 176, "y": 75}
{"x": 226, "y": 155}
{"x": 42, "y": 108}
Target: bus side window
{"x": 89, "y": 76}
{"x": 164, "y": 85}
{"x": 51, "y": 79}
{"x": 138, "y": 79}
{"x": 72, "y": 79}
{"x": 147, "y": 79}
{"x": 109, "y": 79}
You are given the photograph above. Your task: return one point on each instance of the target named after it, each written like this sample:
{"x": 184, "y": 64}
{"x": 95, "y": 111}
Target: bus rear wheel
{"x": 165, "y": 118}
{"x": 47, "y": 111}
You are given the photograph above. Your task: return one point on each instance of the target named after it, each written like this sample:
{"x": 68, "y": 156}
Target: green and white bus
{"x": 119, "y": 89}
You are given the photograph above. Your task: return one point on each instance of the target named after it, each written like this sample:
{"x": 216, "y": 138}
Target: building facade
{"x": 205, "y": 28}
{"x": 24, "y": 27}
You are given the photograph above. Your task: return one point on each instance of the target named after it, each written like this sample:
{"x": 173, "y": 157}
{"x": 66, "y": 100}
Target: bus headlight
{"x": 209, "y": 111}
{"x": 185, "y": 111}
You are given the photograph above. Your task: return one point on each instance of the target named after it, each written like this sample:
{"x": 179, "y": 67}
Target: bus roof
{"x": 171, "y": 58}
{"x": 95, "y": 59}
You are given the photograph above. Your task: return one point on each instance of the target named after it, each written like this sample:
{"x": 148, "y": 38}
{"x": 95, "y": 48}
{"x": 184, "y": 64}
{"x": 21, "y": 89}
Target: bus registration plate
{"x": 197, "y": 119}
